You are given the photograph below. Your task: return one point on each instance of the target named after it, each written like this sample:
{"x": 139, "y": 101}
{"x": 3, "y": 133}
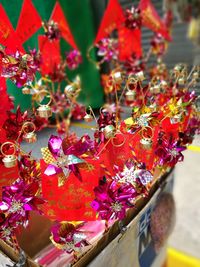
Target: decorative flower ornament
{"x": 17, "y": 201}
{"x": 68, "y": 237}
{"x": 158, "y": 44}
{"x": 14, "y": 123}
{"x": 20, "y": 68}
{"x": 73, "y": 59}
{"x": 108, "y": 49}
{"x": 133, "y": 174}
{"x": 59, "y": 162}
{"x": 133, "y": 18}
{"x": 168, "y": 151}
{"x": 112, "y": 199}
{"x": 51, "y": 30}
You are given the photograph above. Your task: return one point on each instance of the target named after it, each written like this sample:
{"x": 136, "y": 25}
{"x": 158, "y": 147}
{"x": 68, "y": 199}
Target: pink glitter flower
{"x": 113, "y": 199}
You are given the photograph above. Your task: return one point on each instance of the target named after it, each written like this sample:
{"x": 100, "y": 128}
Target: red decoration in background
{"x": 29, "y": 21}
{"x": 8, "y": 36}
{"x": 49, "y": 48}
{"x": 72, "y": 201}
{"x": 151, "y": 19}
{"x": 59, "y": 17}
{"x": 8, "y": 176}
{"x": 129, "y": 43}
{"x": 112, "y": 19}
{"x": 6, "y": 105}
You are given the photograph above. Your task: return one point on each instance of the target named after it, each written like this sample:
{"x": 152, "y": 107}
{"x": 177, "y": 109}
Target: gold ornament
{"x": 9, "y": 161}
{"x": 73, "y": 89}
{"x": 155, "y": 89}
{"x": 29, "y": 137}
{"x": 70, "y": 90}
{"x": 146, "y": 143}
{"x": 88, "y": 118}
{"x": 109, "y": 131}
{"x": 117, "y": 77}
{"x": 163, "y": 85}
{"x": 195, "y": 75}
{"x": 140, "y": 75}
{"x": 44, "y": 111}
{"x": 181, "y": 81}
{"x": 130, "y": 95}
{"x": 26, "y": 90}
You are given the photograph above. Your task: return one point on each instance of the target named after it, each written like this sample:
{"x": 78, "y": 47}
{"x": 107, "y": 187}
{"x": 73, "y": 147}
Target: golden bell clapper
{"x": 109, "y": 131}
{"x": 130, "y": 95}
{"x": 10, "y": 160}
{"x": 146, "y": 143}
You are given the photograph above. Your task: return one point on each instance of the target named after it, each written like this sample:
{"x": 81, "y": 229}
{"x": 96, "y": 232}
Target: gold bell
{"x": 109, "y": 131}
{"x": 44, "y": 111}
{"x": 140, "y": 75}
{"x": 9, "y": 161}
{"x": 26, "y": 91}
{"x": 195, "y": 75}
{"x": 178, "y": 68}
{"x": 155, "y": 89}
{"x": 117, "y": 77}
{"x": 30, "y": 137}
{"x": 130, "y": 95}
{"x": 181, "y": 81}
{"x": 70, "y": 90}
{"x": 146, "y": 143}
{"x": 88, "y": 118}
{"x": 163, "y": 85}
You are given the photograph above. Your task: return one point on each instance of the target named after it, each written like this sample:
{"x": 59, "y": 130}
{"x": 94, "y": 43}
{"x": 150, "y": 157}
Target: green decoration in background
{"x": 80, "y": 18}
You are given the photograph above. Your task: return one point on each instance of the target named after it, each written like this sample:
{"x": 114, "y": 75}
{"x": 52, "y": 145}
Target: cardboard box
{"x": 131, "y": 247}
